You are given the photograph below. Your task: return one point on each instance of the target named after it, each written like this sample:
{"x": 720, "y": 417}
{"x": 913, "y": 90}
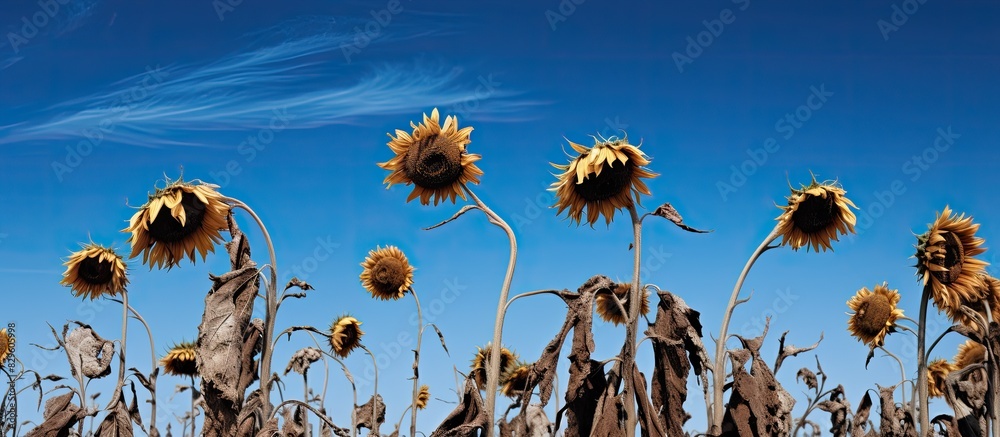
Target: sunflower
{"x": 937, "y": 371}
{"x": 4, "y": 346}
{"x": 970, "y": 352}
{"x": 178, "y": 220}
{"x": 593, "y": 180}
{"x": 814, "y": 215}
{"x": 433, "y": 158}
{"x": 482, "y": 359}
{"x": 94, "y": 271}
{"x": 988, "y": 288}
{"x": 608, "y": 309}
{"x": 875, "y": 314}
{"x": 945, "y": 261}
{"x": 423, "y": 396}
{"x": 345, "y": 335}
{"x": 386, "y": 273}
{"x": 516, "y": 380}
{"x": 180, "y": 360}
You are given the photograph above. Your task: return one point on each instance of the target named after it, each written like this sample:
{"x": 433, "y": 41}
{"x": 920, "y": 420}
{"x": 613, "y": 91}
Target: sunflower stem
{"x": 416, "y": 365}
{"x": 719, "y": 365}
{"x": 628, "y": 355}
{"x": 527, "y": 294}
{"x": 121, "y": 354}
{"x": 493, "y": 371}
{"x": 403, "y": 416}
{"x": 375, "y": 424}
{"x": 902, "y": 373}
{"x": 152, "y": 373}
{"x": 193, "y": 431}
{"x": 922, "y": 362}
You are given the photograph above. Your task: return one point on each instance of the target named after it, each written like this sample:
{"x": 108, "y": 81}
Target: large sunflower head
{"x": 177, "y": 221}
{"x": 946, "y": 263}
{"x": 875, "y": 314}
{"x": 604, "y": 178}
{"x": 516, "y": 381}
{"x": 94, "y": 271}
{"x": 387, "y": 274}
{"x": 988, "y": 290}
{"x": 180, "y": 360}
{"x": 423, "y": 396}
{"x": 937, "y": 371}
{"x": 432, "y": 158}
{"x": 482, "y": 360}
{"x": 345, "y": 335}
{"x": 4, "y": 346}
{"x": 814, "y": 215}
{"x": 970, "y": 352}
{"x": 608, "y": 309}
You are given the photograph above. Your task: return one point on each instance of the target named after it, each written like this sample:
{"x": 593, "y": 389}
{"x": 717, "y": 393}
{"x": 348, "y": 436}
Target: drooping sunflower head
{"x": 875, "y": 314}
{"x": 95, "y": 271}
{"x": 180, "y": 360}
{"x": 177, "y": 221}
{"x": 423, "y": 396}
{"x": 946, "y": 263}
{"x": 814, "y": 215}
{"x": 937, "y": 371}
{"x": 970, "y": 352}
{"x": 516, "y": 381}
{"x": 988, "y": 290}
{"x": 608, "y": 309}
{"x": 603, "y": 179}
{"x": 482, "y": 360}
{"x": 4, "y": 346}
{"x": 433, "y": 158}
{"x": 387, "y": 274}
{"x": 345, "y": 335}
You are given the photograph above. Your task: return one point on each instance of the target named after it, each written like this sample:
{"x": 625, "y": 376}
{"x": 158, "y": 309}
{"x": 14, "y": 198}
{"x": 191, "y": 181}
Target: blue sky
{"x": 287, "y": 108}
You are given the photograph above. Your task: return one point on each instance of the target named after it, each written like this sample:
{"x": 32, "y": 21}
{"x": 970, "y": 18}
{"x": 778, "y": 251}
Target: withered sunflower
{"x": 177, "y": 221}
{"x": 516, "y": 381}
{"x": 604, "y": 178}
{"x": 814, "y": 215}
{"x": 608, "y": 310}
{"x": 4, "y": 346}
{"x": 423, "y": 396}
{"x": 180, "y": 360}
{"x": 387, "y": 274}
{"x": 945, "y": 261}
{"x": 95, "y": 271}
{"x": 988, "y": 288}
{"x": 432, "y": 158}
{"x": 970, "y": 352}
{"x": 345, "y": 335}
{"x": 482, "y": 360}
{"x": 875, "y": 314}
{"x": 937, "y": 371}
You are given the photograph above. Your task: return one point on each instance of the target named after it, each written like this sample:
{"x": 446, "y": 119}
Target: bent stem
{"x": 922, "y": 361}
{"x": 416, "y": 366}
{"x": 375, "y": 424}
{"x": 902, "y": 373}
{"x": 719, "y": 369}
{"x": 628, "y": 356}
{"x": 152, "y": 360}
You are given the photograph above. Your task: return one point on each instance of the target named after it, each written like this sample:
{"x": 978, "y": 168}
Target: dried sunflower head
{"x": 988, "y": 288}
{"x": 177, "y": 221}
{"x": 970, "y": 352}
{"x": 946, "y": 263}
{"x": 937, "y": 371}
{"x": 345, "y": 335}
{"x": 482, "y": 360}
{"x": 4, "y": 346}
{"x": 814, "y": 215}
{"x": 516, "y": 381}
{"x": 608, "y": 310}
{"x": 180, "y": 360}
{"x": 875, "y": 314}
{"x": 386, "y": 273}
{"x": 433, "y": 158}
{"x": 423, "y": 396}
{"x": 95, "y": 271}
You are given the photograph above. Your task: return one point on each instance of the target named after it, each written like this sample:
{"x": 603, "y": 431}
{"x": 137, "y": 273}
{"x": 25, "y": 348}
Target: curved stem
{"x": 902, "y": 373}
{"x": 375, "y": 424}
{"x": 628, "y": 357}
{"x": 354, "y": 389}
{"x": 416, "y": 365}
{"x": 271, "y": 303}
{"x": 403, "y": 416}
{"x": 719, "y": 372}
{"x": 153, "y": 363}
{"x": 121, "y": 354}
{"x": 527, "y": 294}
{"x": 937, "y": 340}
{"x": 306, "y": 406}
{"x": 493, "y": 371}
{"x": 907, "y": 329}
{"x": 922, "y": 361}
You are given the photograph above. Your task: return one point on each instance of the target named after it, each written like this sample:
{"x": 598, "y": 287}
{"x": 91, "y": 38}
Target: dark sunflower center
{"x": 168, "y": 229}
{"x": 185, "y": 367}
{"x": 814, "y": 214}
{"x": 389, "y": 274}
{"x": 954, "y": 256}
{"x": 873, "y": 314}
{"x": 94, "y": 271}
{"x": 433, "y": 162}
{"x": 614, "y": 178}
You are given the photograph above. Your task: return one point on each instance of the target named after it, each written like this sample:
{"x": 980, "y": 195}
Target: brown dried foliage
{"x": 677, "y": 346}
{"x": 468, "y": 418}
{"x": 758, "y": 405}
{"x": 60, "y": 415}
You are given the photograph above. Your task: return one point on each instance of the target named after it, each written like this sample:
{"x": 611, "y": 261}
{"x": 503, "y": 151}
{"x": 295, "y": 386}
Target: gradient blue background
{"x": 593, "y": 68}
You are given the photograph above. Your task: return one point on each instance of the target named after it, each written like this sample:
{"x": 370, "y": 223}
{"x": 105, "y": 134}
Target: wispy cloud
{"x": 304, "y": 74}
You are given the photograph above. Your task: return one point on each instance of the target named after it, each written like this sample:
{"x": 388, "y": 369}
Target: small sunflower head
{"x": 423, "y": 396}
{"x": 434, "y": 159}
{"x": 608, "y": 309}
{"x": 814, "y": 215}
{"x": 937, "y": 371}
{"x": 946, "y": 263}
{"x": 603, "y": 179}
{"x": 345, "y": 335}
{"x": 970, "y": 352}
{"x": 516, "y": 381}
{"x": 177, "y": 221}
{"x": 482, "y": 361}
{"x": 4, "y": 346}
{"x": 875, "y": 314}
{"x": 95, "y": 271}
{"x": 180, "y": 360}
{"x": 386, "y": 273}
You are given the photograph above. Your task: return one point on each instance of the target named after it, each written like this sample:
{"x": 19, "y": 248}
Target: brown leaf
{"x": 296, "y": 282}
{"x": 468, "y": 418}
{"x": 860, "y": 421}
{"x": 838, "y": 408}
{"x": 677, "y": 346}
{"x": 295, "y": 422}
{"x": 895, "y": 421}
{"x": 302, "y": 359}
{"x": 808, "y": 378}
{"x": 60, "y": 415}
{"x": 649, "y": 424}
{"x": 758, "y": 405}
{"x": 89, "y": 353}
{"x": 118, "y": 422}
{"x": 364, "y": 414}
{"x": 668, "y": 212}
{"x": 791, "y": 351}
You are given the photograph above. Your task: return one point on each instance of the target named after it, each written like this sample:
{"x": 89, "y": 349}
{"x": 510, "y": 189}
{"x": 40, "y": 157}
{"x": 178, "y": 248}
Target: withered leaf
{"x": 808, "y": 378}
{"x": 468, "y": 418}
{"x": 860, "y": 421}
{"x": 60, "y": 416}
{"x": 758, "y": 405}
{"x": 302, "y": 359}
{"x": 668, "y": 212}
{"x": 374, "y": 409}
{"x": 89, "y": 353}
{"x": 677, "y": 345}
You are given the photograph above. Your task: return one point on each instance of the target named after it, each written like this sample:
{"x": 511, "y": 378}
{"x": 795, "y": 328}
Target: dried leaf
{"x": 808, "y": 378}
{"x": 60, "y": 416}
{"x": 118, "y": 422}
{"x": 895, "y": 421}
{"x": 441, "y": 337}
{"x": 302, "y": 359}
{"x": 648, "y": 422}
{"x": 296, "y": 282}
{"x": 468, "y": 418}
{"x": 668, "y": 212}
{"x": 295, "y": 422}
{"x": 89, "y": 353}
{"x": 758, "y": 405}
{"x": 791, "y": 351}
{"x": 677, "y": 345}
{"x": 838, "y": 408}
{"x": 364, "y": 414}
{"x": 860, "y": 421}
